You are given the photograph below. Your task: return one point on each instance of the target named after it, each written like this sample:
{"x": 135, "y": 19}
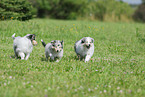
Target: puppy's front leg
{"x": 27, "y": 56}
{"x": 52, "y": 58}
{"x": 87, "y": 58}
{"x": 22, "y": 55}
{"x": 46, "y": 55}
{"x": 16, "y": 53}
{"x": 57, "y": 60}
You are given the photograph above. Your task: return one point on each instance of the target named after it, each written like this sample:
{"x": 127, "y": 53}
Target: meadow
{"x": 116, "y": 69}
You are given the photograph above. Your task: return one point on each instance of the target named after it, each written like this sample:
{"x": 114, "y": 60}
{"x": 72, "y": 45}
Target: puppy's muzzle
{"x": 34, "y": 42}
{"x": 88, "y": 46}
{"x": 57, "y": 49}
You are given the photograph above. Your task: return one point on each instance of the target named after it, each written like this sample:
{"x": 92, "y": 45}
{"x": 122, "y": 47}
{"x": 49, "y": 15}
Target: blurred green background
{"x": 102, "y": 10}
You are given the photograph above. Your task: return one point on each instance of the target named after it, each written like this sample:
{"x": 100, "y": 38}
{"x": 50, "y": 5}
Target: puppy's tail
{"x": 13, "y": 36}
{"x": 43, "y": 43}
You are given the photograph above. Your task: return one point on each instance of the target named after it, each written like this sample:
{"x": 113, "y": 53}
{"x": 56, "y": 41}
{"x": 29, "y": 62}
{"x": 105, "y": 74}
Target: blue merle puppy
{"x": 23, "y": 46}
{"x": 54, "y": 50}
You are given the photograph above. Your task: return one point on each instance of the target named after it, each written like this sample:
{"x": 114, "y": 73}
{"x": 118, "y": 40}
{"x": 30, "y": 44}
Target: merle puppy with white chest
{"x": 23, "y": 46}
{"x": 54, "y": 50}
{"x": 84, "y": 48}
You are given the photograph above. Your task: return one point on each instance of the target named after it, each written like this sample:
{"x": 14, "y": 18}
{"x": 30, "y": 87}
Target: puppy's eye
{"x": 53, "y": 45}
{"x": 58, "y": 45}
{"x": 83, "y": 41}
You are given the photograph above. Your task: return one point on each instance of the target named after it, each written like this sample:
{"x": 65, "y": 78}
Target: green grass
{"x": 117, "y": 67}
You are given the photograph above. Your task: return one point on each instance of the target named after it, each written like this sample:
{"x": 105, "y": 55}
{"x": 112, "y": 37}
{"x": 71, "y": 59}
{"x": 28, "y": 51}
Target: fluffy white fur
{"x": 84, "y": 48}
{"x": 51, "y": 52}
{"x": 22, "y": 46}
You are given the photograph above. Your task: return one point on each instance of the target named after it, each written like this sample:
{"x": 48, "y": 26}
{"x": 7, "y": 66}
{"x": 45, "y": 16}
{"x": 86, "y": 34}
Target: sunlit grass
{"x": 116, "y": 68}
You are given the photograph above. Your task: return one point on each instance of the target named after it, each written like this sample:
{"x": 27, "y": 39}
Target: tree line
{"x": 103, "y": 10}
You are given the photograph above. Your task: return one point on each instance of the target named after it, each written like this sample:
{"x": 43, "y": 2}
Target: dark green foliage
{"x": 111, "y": 10}
{"x": 42, "y": 7}
{"x": 85, "y": 9}
{"x": 15, "y": 9}
{"x": 139, "y": 14}
{"x": 67, "y": 9}
{"x": 59, "y": 9}
{"x": 97, "y": 9}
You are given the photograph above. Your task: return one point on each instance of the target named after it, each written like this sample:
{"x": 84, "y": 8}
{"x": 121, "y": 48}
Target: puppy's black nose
{"x": 88, "y": 46}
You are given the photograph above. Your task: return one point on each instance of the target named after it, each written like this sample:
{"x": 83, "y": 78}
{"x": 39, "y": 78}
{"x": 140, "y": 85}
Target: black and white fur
{"x": 54, "y": 50}
{"x": 23, "y": 45}
{"x": 84, "y": 48}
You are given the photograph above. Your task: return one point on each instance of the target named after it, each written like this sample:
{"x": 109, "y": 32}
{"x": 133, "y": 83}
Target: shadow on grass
{"x": 13, "y": 57}
{"x": 66, "y": 58}
{"x": 46, "y": 60}
{"x": 43, "y": 59}
{"x": 75, "y": 58}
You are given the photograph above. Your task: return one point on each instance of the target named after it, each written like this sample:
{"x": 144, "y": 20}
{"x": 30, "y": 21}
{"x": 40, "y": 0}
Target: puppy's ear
{"x": 92, "y": 40}
{"x": 53, "y": 41}
{"x": 31, "y": 36}
{"x": 83, "y": 41}
{"x": 62, "y": 42}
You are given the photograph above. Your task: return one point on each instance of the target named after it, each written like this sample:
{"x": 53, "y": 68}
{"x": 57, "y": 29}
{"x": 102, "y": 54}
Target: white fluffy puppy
{"x": 84, "y": 48}
{"x": 54, "y": 50}
{"x": 23, "y": 45}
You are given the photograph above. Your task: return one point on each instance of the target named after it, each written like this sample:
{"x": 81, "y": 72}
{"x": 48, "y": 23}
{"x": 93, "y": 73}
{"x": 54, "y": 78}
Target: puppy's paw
{"x": 50, "y": 54}
{"x": 87, "y": 58}
{"x": 57, "y": 60}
